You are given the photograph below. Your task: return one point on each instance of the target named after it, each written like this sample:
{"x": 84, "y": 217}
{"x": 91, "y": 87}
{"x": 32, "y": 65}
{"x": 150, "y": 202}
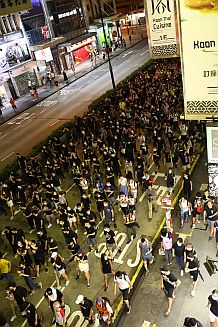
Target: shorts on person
{"x": 83, "y": 267}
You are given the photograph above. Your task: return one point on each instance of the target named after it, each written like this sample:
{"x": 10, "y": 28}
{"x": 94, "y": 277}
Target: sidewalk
{"x": 149, "y": 302}
{"x": 25, "y": 102}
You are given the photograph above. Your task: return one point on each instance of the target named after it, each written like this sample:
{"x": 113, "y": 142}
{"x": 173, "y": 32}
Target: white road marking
{"x": 38, "y": 304}
{"x": 126, "y": 54}
{"x": 55, "y": 122}
{"x": 29, "y": 121}
{"x": 142, "y": 197}
{"x": 70, "y": 187}
{"x": 144, "y": 52}
{"x": 7, "y": 156}
{"x": 151, "y": 166}
{"x": 3, "y": 136}
{"x": 89, "y": 99}
{"x": 14, "y": 129}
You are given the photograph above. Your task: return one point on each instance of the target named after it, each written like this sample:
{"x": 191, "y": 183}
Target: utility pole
{"x": 107, "y": 47}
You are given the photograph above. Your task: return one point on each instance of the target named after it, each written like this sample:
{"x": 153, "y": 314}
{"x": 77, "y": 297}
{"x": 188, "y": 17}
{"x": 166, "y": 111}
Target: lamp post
{"x": 107, "y": 47}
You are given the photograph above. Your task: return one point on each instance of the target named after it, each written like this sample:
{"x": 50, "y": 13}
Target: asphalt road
{"x": 22, "y": 132}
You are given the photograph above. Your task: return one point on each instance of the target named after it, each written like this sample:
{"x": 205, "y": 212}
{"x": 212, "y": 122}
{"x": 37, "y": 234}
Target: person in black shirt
{"x": 106, "y": 268}
{"x": 26, "y": 273}
{"x": 91, "y": 232}
{"x": 213, "y": 305}
{"x": 29, "y": 311}
{"x": 192, "y": 266}
{"x": 169, "y": 283}
{"x": 52, "y": 295}
{"x": 192, "y": 322}
{"x": 178, "y": 251}
{"x": 211, "y": 213}
{"x": 111, "y": 242}
{"x": 86, "y": 307}
{"x": 19, "y": 293}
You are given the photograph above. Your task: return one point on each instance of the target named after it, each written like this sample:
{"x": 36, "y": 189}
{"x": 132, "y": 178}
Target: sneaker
{"x": 77, "y": 277}
{"x": 181, "y": 273}
{"x": 167, "y": 313}
{"x": 146, "y": 272}
{"x": 32, "y": 230}
{"x": 209, "y": 238}
{"x": 217, "y": 254}
{"x": 46, "y": 270}
{"x": 193, "y": 293}
{"x": 13, "y": 318}
{"x": 193, "y": 226}
{"x": 59, "y": 287}
{"x": 67, "y": 282}
{"x": 49, "y": 225}
{"x": 40, "y": 284}
{"x": 11, "y": 218}
{"x": 88, "y": 285}
{"x": 128, "y": 311}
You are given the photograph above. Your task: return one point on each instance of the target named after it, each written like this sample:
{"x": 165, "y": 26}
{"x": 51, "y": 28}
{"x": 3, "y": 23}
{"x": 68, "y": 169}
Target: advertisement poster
{"x": 199, "y": 55}
{"x": 212, "y": 155}
{"x": 13, "y": 53}
{"x": 11, "y": 6}
{"x": 161, "y": 28}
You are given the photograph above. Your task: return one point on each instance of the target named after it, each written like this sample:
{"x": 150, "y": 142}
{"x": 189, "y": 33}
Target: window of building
{"x": 15, "y": 22}
{"x": 6, "y": 25}
{"x": 2, "y": 31}
{"x": 10, "y": 23}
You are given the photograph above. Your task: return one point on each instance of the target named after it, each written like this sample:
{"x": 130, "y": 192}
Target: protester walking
{"x": 122, "y": 281}
{"x": 169, "y": 284}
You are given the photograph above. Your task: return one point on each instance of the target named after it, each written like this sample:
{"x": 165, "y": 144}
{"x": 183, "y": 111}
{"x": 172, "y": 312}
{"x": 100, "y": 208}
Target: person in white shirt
{"x": 123, "y": 282}
{"x": 133, "y": 186}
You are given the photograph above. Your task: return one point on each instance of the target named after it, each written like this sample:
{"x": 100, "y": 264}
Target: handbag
{"x": 161, "y": 251}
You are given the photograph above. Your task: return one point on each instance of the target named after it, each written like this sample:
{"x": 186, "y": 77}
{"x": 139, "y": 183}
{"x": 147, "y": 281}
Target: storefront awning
{"x": 77, "y": 39}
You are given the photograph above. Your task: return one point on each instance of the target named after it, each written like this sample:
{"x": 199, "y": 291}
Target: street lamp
{"x": 107, "y": 47}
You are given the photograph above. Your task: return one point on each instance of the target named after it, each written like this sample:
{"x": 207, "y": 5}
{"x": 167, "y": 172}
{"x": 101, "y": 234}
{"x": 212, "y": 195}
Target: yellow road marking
{"x": 119, "y": 306}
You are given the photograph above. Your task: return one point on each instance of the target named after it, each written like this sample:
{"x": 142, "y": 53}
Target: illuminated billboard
{"x": 161, "y": 28}
{"x": 199, "y": 57}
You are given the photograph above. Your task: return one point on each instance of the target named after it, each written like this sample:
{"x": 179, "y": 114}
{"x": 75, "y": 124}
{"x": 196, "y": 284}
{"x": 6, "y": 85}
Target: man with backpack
{"x": 104, "y": 310}
{"x": 122, "y": 280}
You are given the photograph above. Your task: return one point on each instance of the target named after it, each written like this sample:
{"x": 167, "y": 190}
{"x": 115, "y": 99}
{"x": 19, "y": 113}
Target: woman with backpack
{"x": 166, "y": 245}
{"x": 185, "y": 207}
{"x": 104, "y": 311}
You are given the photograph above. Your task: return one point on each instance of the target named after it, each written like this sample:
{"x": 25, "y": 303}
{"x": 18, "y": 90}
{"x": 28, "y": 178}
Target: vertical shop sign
{"x": 161, "y": 28}
{"x": 212, "y": 156}
{"x": 199, "y": 55}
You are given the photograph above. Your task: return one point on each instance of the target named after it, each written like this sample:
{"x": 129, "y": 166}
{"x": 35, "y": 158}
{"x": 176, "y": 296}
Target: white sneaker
{"x": 49, "y": 225}
{"x": 13, "y": 318}
{"x": 40, "y": 284}
{"x": 193, "y": 293}
{"x": 181, "y": 273}
{"x": 67, "y": 282}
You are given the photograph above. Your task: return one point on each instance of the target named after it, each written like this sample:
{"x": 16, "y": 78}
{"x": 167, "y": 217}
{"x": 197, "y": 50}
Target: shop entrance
{"x": 12, "y": 89}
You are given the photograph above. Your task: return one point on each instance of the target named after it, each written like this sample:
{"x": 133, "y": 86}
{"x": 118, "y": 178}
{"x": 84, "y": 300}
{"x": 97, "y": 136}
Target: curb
{"x": 118, "y": 312}
{"x": 71, "y": 82}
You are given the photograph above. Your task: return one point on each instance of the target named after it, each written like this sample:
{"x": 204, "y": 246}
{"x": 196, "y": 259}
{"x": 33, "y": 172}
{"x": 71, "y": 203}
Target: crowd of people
{"x": 112, "y": 155}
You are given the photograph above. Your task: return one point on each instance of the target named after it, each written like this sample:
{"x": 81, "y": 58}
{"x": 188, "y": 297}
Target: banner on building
{"x": 212, "y": 156}
{"x": 199, "y": 55}
{"x": 11, "y": 6}
{"x": 161, "y": 28}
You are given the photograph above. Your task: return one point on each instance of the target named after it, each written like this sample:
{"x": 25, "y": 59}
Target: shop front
{"x": 76, "y": 52}
{"x": 21, "y": 75}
